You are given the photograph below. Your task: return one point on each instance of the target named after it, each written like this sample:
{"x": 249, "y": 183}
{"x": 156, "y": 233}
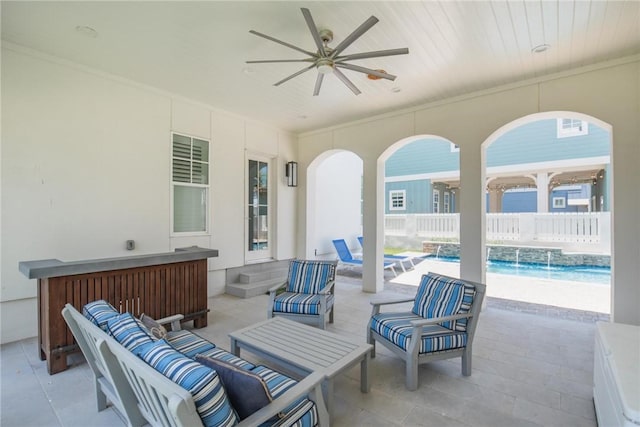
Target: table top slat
{"x": 301, "y": 345}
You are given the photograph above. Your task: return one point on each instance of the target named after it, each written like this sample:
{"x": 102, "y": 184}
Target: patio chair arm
{"x": 303, "y": 388}
{"x": 388, "y": 301}
{"x": 276, "y": 288}
{"x": 330, "y": 284}
{"x": 436, "y": 320}
{"x": 174, "y": 320}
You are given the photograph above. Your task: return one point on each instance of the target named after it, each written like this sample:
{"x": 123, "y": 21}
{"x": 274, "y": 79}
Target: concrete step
{"x": 261, "y": 276}
{"x": 248, "y": 290}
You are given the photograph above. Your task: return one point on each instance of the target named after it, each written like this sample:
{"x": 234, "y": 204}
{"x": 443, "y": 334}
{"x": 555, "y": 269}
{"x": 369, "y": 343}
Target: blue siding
{"x": 417, "y": 197}
{"x": 422, "y": 156}
{"x": 538, "y": 142}
{"x": 520, "y": 201}
{"x": 530, "y": 143}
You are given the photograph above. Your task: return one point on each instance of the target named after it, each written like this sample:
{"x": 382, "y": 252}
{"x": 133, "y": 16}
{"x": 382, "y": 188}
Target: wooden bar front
{"x": 155, "y": 290}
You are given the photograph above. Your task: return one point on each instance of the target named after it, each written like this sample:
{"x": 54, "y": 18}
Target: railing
{"x": 583, "y": 227}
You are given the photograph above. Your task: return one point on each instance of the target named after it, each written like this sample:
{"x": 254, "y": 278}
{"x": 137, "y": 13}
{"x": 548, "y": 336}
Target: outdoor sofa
{"x": 176, "y": 378}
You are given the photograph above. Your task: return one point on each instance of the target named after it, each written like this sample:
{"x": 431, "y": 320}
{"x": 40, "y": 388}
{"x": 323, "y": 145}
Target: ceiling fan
{"x": 328, "y": 60}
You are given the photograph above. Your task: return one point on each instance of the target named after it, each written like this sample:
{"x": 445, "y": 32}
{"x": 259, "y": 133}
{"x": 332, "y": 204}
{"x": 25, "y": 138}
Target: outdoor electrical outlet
{"x": 131, "y": 245}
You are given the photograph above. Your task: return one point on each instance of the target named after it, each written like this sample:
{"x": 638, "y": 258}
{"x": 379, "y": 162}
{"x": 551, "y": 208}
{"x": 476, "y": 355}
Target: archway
{"x": 334, "y": 202}
{"x": 547, "y": 202}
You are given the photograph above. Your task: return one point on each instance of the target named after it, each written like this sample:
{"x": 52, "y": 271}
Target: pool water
{"x": 588, "y": 274}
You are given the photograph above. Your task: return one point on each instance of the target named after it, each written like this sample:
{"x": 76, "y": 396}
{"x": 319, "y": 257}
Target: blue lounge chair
{"x": 398, "y": 259}
{"x": 346, "y": 258}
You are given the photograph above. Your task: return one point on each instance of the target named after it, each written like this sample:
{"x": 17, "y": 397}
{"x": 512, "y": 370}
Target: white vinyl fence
{"x": 566, "y": 229}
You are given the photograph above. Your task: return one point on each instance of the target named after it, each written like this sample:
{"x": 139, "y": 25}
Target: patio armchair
{"x": 441, "y": 324}
{"x": 308, "y": 294}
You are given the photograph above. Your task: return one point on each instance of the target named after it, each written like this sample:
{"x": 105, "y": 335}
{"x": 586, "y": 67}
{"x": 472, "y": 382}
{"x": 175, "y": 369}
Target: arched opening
{"x": 421, "y": 205}
{"x": 548, "y": 219}
{"x": 334, "y": 202}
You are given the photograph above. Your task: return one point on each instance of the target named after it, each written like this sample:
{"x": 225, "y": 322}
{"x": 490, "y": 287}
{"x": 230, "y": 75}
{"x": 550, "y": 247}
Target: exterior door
{"x": 258, "y": 213}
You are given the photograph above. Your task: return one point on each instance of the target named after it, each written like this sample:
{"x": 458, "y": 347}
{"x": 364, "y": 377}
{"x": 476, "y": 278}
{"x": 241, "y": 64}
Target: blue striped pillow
{"x": 129, "y": 331}
{"x": 309, "y": 277}
{"x": 99, "y": 312}
{"x": 438, "y": 296}
{"x": 202, "y": 382}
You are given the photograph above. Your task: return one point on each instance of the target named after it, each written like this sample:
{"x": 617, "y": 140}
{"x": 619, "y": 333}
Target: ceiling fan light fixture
{"x": 325, "y": 66}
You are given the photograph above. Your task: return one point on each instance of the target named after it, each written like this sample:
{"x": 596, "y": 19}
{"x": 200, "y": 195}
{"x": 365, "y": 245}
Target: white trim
{"x": 519, "y": 169}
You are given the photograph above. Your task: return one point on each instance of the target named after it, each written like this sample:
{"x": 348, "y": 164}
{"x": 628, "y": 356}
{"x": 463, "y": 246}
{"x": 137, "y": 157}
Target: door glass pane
{"x": 258, "y": 231}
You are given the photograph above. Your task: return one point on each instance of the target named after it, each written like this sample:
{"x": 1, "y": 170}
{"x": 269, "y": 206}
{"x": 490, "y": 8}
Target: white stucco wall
{"x": 86, "y": 165}
{"x": 337, "y": 194}
{"x": 608, "y": 92}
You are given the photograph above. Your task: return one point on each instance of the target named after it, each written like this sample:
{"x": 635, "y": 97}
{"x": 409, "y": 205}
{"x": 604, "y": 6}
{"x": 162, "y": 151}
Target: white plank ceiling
{"x": 198, "y": 49}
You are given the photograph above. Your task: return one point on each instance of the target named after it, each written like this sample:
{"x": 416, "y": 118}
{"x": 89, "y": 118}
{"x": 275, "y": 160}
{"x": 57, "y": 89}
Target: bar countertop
{"x": 55, "y": 268}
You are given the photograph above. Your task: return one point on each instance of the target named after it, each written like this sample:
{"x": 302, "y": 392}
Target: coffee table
{"x": 303, "y": 349}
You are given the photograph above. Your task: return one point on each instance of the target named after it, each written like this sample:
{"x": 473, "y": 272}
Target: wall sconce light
{"x": 291, "y": 172}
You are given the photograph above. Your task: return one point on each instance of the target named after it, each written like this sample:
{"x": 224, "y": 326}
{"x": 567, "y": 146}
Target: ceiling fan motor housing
{"x": 326, "y": 36}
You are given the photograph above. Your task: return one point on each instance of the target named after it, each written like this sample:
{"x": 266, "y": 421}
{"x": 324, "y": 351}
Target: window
{"x": 572, "y": 127}
{"x": 446, "y": 202}
{"x": 190, "y": 180}
{"x": 397, "y": 200}
{"x": 436, "y": 201}
{"x": 559, "y": 203}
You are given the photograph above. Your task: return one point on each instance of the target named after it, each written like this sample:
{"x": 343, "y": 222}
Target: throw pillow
{"x": 99, "y": 312}
{"x": 202, "y": 382}
{"x": 128, "y": 331}
{"x": 247, "y": 391}
{"x": 157, "y": 330}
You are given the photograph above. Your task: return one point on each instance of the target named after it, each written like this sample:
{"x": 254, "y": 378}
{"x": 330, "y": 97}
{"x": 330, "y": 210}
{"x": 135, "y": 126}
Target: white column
{"x": 542, "y": 182}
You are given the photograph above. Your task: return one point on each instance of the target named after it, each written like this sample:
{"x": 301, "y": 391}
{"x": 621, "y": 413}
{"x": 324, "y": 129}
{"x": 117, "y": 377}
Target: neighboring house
{"x": 545, "y": 166}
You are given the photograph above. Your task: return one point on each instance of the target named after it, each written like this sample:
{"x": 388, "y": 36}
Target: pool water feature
{"x": 584, "y": 273}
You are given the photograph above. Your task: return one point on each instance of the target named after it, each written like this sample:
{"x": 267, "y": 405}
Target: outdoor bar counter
{"x": 157, "y": 285}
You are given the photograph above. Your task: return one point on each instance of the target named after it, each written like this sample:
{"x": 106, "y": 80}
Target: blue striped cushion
{"x": 99, "y": 312}
{"x": 396, "y": 327}
{"x": 288, "y": 302}
{"x": 438, "y": 296}
{"x": 202, "y": 382}
{"x": 302, "y": 413}
{"x": 225, "y": 356}
{"x": 188, "y": 343}
{"x": 129, "y": 332}
{"x": 309, "y": 277}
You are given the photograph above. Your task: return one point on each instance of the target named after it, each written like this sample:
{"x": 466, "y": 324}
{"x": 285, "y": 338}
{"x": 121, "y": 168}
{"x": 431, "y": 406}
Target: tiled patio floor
{"x": 528, "y": 370}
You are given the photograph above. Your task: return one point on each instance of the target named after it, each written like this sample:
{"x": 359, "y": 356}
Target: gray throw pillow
{"x": 246, "y": 390}
{"x": 156, "y": 329}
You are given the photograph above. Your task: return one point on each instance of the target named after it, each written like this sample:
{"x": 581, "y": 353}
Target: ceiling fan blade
{"x": 266, "y": 61}
{"x": 316, "y": 90}
{"x": 374, "y": 54}
{"x": 353, "y": 36}
{"x": 366, "y": 71}
{"x": 295, "y": 74}
{"x": 346, "y": 81}
{"x": 283, "y": 43}
{"x": 314, "y": 31}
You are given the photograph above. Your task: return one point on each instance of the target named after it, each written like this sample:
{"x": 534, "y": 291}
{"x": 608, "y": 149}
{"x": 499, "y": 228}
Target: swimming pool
{"x": 588, "y": 274}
